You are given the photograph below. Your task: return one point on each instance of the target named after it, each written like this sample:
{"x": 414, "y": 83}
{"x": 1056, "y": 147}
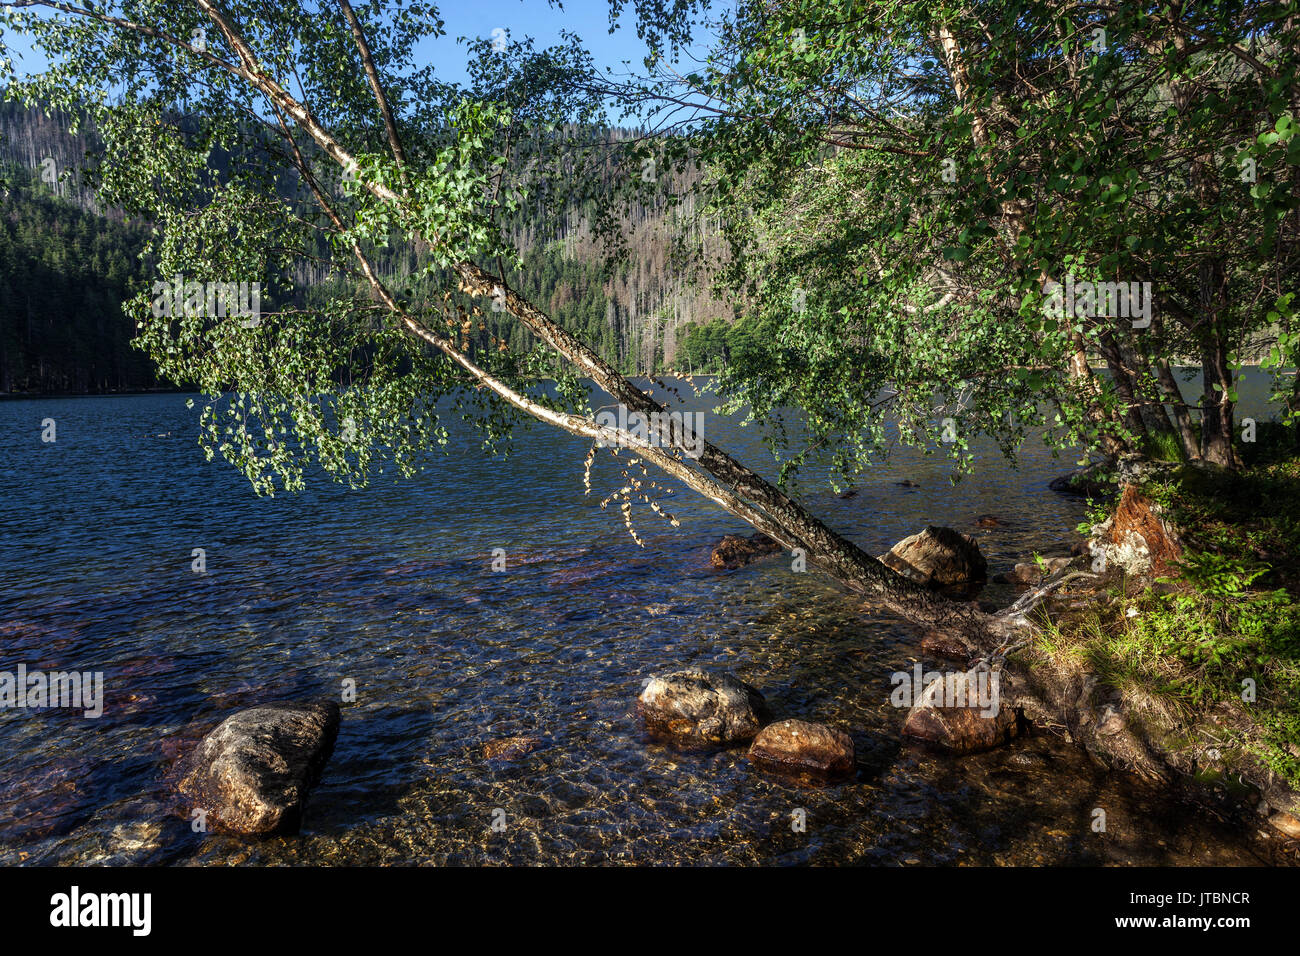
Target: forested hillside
{"x": 66, "y": 265}
{"x": 64, "y": 272}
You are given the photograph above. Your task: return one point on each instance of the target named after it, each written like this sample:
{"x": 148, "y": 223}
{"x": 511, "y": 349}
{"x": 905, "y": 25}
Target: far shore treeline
{"x": 66, "y": 267}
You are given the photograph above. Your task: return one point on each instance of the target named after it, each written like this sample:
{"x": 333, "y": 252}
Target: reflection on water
{"x": 393, "y": 587}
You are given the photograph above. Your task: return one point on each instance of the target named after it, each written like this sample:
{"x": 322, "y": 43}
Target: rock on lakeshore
{"x": 797, "y": 746}
{"x": 938, "y": 557}
{"x": 694, "y": 704}
{"x": 251, "y": 775}
{"x": 1093, "y": 481}
{"x": 952, "y": 714}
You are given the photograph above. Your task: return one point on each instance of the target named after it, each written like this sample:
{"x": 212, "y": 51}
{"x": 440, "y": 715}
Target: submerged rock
{"x": 251, "y": 775}
{"x": 1024, "y": 574}
{"x": 947, "y": 644}
{"x": 1057, "y": 565}
{"x": 797, "y": 746}
{"x": 963, "y": 713}
{"x": 1027, "y": 573}
{"x": 733, "y": 551}
{"x": 938, "y": 557}
{"x": 695, "y": 704}
{"x": 511, "y": 748}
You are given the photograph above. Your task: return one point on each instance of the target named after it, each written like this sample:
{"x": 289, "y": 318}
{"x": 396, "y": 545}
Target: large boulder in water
{"x": 694, "y": 704}
{"x": 251, "y": 775}
{"x": 733, "y": 551}
{"x": 938, "y": 557}
{"x": 797, "y": 746}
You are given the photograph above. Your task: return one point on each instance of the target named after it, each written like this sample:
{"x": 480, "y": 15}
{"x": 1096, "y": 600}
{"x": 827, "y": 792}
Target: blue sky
{"x": 470, "y": 18}
{"x": 543, "y": 22}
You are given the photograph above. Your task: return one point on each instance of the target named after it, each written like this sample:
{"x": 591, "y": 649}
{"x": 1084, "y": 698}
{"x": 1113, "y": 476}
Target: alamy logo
{"x": 1117, "y": 300}
{"x": 74, "y": 909}
{"x": 179, "y": 299}
{"x": 655, "y": 430}
{"x": 36, "y": 690}
{"x": 975, "y": 689}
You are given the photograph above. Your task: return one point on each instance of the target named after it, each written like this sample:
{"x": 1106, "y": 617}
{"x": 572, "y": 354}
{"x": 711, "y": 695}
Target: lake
{"x": 393, "y": 587}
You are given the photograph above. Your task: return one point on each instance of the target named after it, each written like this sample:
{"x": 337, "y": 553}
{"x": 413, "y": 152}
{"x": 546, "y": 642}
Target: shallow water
{"x": 393, "y": 588}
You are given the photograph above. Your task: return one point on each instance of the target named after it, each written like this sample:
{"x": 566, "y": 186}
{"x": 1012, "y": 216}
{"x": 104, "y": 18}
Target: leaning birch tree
{"x": 288, "y": 144}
